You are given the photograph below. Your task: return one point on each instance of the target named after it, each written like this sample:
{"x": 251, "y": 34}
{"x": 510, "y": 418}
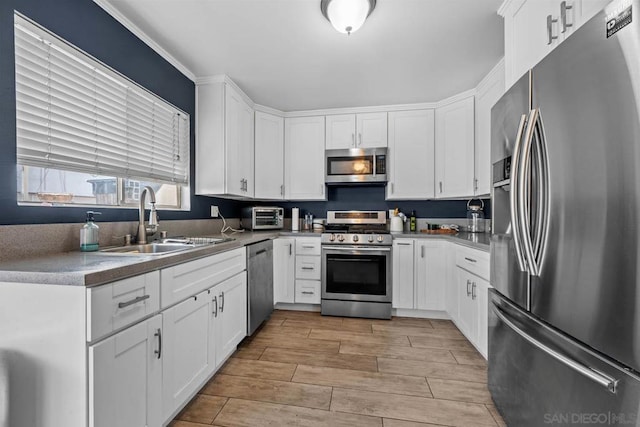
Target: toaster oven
{"x": 262, "y": 218}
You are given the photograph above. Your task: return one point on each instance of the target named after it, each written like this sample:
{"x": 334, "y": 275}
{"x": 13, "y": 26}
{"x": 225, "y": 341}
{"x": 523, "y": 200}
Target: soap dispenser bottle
{"x": 89, "y": 233}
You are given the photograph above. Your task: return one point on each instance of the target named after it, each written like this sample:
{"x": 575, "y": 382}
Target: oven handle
{"x": 356, "y": 248}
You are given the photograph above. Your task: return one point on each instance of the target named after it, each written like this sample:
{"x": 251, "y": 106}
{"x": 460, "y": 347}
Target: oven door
{"x": 356, "y": 273}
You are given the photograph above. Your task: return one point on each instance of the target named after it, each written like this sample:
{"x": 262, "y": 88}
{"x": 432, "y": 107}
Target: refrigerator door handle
{"x": 543, "y": 214}
{"x": 514, "y": 195}
{"x": 523, "y": 201}
{"x": 599, "y": 377}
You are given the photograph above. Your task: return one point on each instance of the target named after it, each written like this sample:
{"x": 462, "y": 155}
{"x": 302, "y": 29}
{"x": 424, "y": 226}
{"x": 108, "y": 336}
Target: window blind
{"x": 75, "y": 113}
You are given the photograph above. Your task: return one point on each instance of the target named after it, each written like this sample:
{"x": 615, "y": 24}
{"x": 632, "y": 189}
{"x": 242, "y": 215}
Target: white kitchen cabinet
{"x": 454, "y": 148}
{"x": 231, "y": 320}
{"x": 224, "y": 142}
{"x": 187, "y": 361}
{"x": 402, "y": 274}
{"x": 467, "y": 307}
{"x": 489, "y": 91}
{"x": 269, "y": 155}
{"x": 533, "y": 28}
{"x": 307, "y": 270}
{"x": 410, "y": 168}
{"x": 430, "y": 263}
{"x": 284, "y": 268}
{"x": 482, "y": 302}
{"x": 125, "y": 377}
{"x": 363, "y": 130}
{"x": 304, "y": 158}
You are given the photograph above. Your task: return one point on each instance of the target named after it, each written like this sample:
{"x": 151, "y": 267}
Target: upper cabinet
{"x": 304, "y": 158}
{"x": 533, "y": 28}
{"x": 364, "y": 130}
{"x": 269, "y": 150}
{"x": 410, "y": 156}
{"x": 489, "y": 91}
{"x": 224, "y": 142}
{"x": 455, "y": 129}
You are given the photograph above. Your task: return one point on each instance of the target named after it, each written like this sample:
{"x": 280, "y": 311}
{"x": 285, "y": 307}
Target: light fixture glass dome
{"x": 347, "y": 16}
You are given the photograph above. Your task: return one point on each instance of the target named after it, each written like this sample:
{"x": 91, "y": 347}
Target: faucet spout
{"x": 152, "y": 227}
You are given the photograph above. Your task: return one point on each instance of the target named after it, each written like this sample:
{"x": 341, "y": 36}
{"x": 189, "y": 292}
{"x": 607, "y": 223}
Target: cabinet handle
{"x": 475, "y": 184}
{"x": 133, "y": 301}
{"x": 422, "y": 251}
{"x": 403, "y": 244}
{"x": 468, "y": 285}
{"x": 308, "y": 246}
{"x": 550, "y": 36}
{"x": 215, "y": 304}
{"x": 360, "y": 138}
{"x": 242, "y": 185}
{"x": 441, "y": 186}
{"x": 308, "y": 292}
{"x": 159, "y": 350}
{"x": 353, "y": 139}
{"x": 290, "y": 249}
{"x": 282, "y": 190}
{"x": 473, "y": 291}
{"x": 563, "y": 16}
{"x": 307, "y": 268}
{"x": 470, "y": 259}
{"x": 222, "y": 302}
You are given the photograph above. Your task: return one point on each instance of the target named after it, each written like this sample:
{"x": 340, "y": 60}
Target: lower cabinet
{"x": 284, "y": 269}
{"x": 230, "y": 323}
{"x": 187, "y": 360}
{"x": 402, "y": 273}
{"x": 297, "y": 266}
{"x": 125, "y": 377}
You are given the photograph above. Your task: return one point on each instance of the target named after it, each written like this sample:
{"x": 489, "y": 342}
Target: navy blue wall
{"x": 86, "y": 25}
{"x": 372, "y": 198}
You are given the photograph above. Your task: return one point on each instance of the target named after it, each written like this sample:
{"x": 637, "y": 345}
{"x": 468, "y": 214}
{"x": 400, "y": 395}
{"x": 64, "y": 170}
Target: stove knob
{"x": 380, "y": 239}
{"x": 332, "y": 238}
{"x": 355, "y": 238}
{"x": 370, "y": 239}
{"x": 340, "y": 238}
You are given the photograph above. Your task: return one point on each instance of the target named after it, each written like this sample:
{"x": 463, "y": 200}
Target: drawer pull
{"x": 159, "y": 350}
{"x": 308, "y": 292}
{"x": 133, "y": 301}
{"x": 307, "y": 268}
{"x": 308, "y": 246}
{"x": 470, "y": 259}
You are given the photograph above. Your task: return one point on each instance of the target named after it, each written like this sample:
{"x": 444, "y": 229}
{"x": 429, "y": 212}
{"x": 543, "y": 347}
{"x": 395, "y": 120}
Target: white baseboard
{"x": 423, "y": 314}
{"x": 297, "y": 307}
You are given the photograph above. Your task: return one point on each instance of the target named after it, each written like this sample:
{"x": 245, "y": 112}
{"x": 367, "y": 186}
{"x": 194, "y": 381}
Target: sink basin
{"x": 149, "y": 249}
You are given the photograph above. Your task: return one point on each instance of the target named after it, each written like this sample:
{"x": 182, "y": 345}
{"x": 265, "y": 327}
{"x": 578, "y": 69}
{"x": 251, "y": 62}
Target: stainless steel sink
{"x": 149, "y": 249}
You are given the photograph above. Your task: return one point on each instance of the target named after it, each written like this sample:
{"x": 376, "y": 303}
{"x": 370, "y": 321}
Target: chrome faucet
{"x": 152, "y": 227}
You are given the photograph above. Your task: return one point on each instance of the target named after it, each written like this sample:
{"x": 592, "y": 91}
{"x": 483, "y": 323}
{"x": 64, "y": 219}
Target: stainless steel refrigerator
{"x": 564, "y": 326}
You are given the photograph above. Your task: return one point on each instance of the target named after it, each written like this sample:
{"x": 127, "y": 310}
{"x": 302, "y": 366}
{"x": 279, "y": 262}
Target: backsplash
{"x": 373, "y": 198}
{"x": 23, "y": 241}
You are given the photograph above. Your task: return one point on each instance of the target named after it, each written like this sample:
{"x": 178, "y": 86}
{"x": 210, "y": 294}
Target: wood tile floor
{"x": 303, "y": 369}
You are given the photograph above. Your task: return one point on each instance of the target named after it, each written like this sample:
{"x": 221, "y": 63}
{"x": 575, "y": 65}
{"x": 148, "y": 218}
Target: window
{"x": 88, "y": 135}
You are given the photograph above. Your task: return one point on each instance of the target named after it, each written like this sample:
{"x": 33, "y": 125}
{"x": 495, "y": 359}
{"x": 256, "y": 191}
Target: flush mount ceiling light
{"x": 347, "y": 16}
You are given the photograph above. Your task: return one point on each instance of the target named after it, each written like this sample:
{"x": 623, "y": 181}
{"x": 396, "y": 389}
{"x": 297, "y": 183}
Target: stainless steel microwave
{"x": 262, "y": 218}
{"x": 356, "y": 165}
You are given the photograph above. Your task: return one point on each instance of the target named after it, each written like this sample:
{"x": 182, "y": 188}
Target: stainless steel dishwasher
{"x": 260, "y": 284}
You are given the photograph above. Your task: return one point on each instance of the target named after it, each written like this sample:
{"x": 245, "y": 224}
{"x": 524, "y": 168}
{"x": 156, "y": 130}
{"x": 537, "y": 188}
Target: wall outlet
{"x": 214, "y": 212}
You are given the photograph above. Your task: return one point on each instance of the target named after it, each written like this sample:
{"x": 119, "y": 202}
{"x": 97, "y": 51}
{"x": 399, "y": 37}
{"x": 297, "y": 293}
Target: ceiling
{"x": 284, "y": 54}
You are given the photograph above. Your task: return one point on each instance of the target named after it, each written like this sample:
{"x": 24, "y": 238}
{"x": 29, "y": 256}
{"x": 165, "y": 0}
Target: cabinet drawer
{"x": 307, "y": 246}
{"x": 308, "y": 267}
{"x": 184, "y": 280}
{"x": 115, "y": 305}
{"x": 474, "y": 261}
{"x": 308, "y": 291}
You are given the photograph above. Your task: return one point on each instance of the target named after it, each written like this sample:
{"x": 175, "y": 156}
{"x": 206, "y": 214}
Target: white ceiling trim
{"x": 223, "y": 78}
{"x": 488, "y": 80}
{"x": 145, "y": 38}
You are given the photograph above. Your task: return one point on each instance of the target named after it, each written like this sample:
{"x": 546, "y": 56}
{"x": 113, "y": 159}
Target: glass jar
{"x": 475, "y": 217}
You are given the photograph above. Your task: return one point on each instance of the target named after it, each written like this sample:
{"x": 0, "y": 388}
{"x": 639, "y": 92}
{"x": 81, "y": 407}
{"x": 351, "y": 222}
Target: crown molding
{"x": 355, "y": 110}
{"x": 457, "y": 97}
{"x": 104, "y": 4}
{"x": 488, "y": 80}
{"x": 268, "y": 110}
{"x": 223, "y": 78}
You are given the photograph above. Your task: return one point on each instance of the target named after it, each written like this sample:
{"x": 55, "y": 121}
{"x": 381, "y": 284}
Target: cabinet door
{"x": 232, "y": 315}
{"x": 125, "y": 377}
{"x": 234, "y": 142}
{"x": 269, "y": 155}
{"x": 340, "y": 131}
{"x": 480, "y": 294}
{"x": 430, "y": 274}
{"x": 304, "y": 158}
{"x": 411, "y": 155}
{"x": 284, "y": 270}
{"x": 403, "y": 285}
{"x": 467, "y": 309}
{"x": 489, "y": 92}
{"x": 186, "y": 350}
{"x": 454, "y": 149}
{"x": 245, "y": 159}
{"x": 371, "y": 130}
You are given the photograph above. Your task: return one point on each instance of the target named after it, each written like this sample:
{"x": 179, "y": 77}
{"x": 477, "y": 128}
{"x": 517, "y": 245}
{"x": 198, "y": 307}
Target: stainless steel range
{"x": 356, "y": 265}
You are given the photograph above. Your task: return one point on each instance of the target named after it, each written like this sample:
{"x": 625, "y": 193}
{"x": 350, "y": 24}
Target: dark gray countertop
{"x": 94, "y": 268}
